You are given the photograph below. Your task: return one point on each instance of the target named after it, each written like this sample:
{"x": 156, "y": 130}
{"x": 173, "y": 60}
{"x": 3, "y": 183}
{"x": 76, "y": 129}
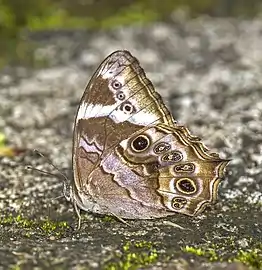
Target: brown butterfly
{"x": 130, "y": 158}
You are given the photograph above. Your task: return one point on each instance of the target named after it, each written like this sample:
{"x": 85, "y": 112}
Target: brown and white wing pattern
{"x": 118, "y": 101}
{"x": 179, "y": 170}
{"x": 130, "y": 159}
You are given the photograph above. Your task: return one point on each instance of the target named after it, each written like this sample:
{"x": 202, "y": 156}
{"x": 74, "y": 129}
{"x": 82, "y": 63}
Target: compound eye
{"x": 116, "y": 84}
{"x": 140, "y": 143}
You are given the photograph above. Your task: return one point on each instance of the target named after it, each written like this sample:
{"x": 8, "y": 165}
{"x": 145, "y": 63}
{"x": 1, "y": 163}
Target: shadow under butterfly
{"x": 130, "y": 158}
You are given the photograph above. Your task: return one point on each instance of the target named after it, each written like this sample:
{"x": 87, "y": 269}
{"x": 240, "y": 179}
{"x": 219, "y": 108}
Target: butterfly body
{"x": 130, "y": 158}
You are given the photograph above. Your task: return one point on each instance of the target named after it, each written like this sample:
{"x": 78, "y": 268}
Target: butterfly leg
{"x": 77, "y": 211}
{"x": 120, "y": 219}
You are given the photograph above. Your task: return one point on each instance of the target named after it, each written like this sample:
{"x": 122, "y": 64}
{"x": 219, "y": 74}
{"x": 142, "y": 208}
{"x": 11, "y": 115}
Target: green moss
{"x": 134, "y": 255}
{"x": 43, "y": 227}
{"x": 229, "y": 251}
{"x": 252, "y": 258}
{"x": 53, "y": 227}
{"x": 207, "y": 253}
{"x": 108, "y": 219}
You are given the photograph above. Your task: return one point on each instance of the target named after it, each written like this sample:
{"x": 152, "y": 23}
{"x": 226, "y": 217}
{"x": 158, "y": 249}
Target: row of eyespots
{"x": 142, "y": 142}
{"x": 126, "y": 107}
{"x": 185, "y": 186}
{"x": 173, "y": 156}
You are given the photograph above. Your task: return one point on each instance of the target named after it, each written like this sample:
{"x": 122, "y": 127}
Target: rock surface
{"x": 209, "y": 73}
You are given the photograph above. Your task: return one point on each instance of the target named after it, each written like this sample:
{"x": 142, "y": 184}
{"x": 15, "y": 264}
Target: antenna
{"x": 66, "y": 181}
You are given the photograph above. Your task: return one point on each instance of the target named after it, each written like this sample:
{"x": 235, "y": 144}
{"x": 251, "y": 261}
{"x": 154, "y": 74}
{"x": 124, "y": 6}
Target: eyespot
{"x": 186, "y": 186}
{"x": 120, "y": 95}
{"x": 162, "y": 147}
{"x": 179, "y": 203}
{"x": 116, "y": 84}
{"x": 127, "y": 107}
{"x": 140, "y": 143}
{"x": 173, "y": 156}
{"x": 184, "y": 168}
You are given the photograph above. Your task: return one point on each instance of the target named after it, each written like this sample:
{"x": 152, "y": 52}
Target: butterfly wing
{"x": 118, "y": 101}
{"x": 120, "y": 90}
{"x": 179, "y": 171}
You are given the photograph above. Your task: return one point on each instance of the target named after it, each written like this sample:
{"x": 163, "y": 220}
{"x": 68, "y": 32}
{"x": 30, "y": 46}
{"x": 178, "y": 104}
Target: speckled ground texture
{"x": 209, "y": 73}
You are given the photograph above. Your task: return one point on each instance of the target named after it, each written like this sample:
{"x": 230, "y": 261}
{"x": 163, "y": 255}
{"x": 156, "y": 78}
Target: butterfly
{"x": 130, "y": 157}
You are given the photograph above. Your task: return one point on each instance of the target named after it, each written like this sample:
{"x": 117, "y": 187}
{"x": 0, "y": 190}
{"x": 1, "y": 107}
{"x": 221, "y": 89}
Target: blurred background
{"x": 19, "y": 18}
{"x": 203, "y": 56}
